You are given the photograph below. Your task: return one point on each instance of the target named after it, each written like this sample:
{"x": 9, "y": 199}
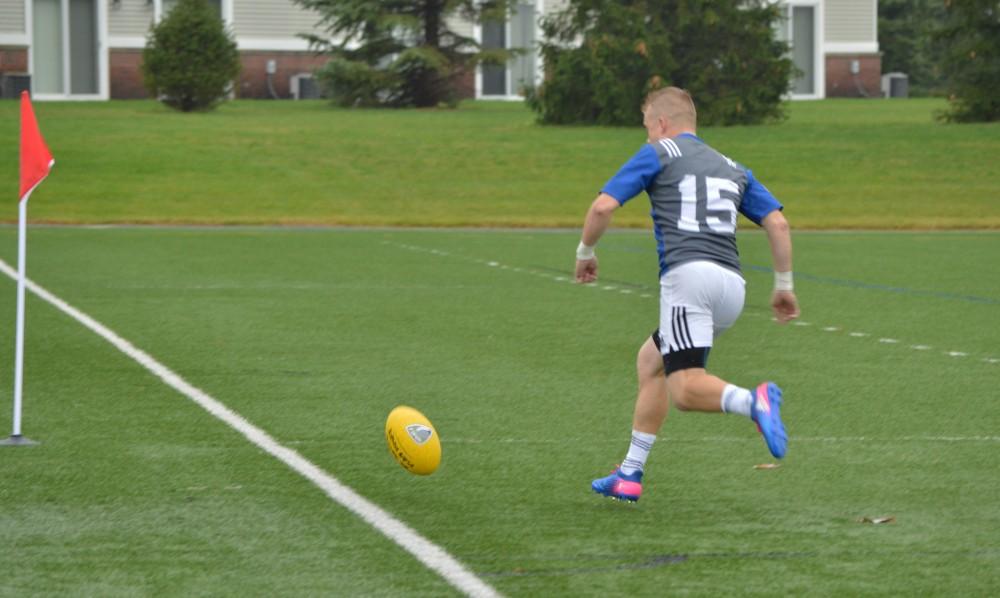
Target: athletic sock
{"x": 638, "y": 451}
{"x": 736, "y": 400}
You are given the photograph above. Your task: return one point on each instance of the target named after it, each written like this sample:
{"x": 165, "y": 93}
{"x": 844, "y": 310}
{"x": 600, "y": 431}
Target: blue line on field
{"x": 857, "y": 284}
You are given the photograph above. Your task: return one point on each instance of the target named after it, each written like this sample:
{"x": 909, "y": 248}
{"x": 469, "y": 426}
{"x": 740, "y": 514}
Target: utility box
{"x": 12, "y": 84}
{"x": 895, "y": 85}
{"x": 304, "y": 87}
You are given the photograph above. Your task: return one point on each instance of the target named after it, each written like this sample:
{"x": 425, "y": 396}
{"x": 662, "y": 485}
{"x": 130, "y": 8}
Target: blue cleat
{"x": 766, "y": 412}
{"x": 619, "y": 486}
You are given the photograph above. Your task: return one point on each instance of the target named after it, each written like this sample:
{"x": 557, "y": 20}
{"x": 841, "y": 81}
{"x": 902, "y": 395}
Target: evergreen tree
{"x": 190, "y": 61}
{"x": 399, "y": 52}
{"x": 603, "y": 56}
{"x": 905, "y": 37}
{"x": 970, "y": 38}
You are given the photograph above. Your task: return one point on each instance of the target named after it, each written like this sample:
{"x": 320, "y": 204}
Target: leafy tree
{"x": 190, "y": 61}
{"x": 905, "y": 37}
{"x": 399, "y": 52}
{"x": 603, "y": 56}
{"x": 970, "y": 38}
{"x": 604, "y": 79}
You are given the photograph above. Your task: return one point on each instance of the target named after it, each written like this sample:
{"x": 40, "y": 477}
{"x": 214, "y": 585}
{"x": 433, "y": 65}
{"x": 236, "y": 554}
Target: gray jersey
{"x": 694, "y": 201}
{"x": 695, "y": 193}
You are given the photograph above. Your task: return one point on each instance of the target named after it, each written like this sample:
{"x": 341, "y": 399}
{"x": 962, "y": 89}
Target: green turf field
{"x": 835, "y": 163}
{"x": 314, "y": 335}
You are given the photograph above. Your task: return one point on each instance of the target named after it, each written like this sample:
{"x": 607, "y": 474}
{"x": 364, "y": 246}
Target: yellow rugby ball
{"x": 412, "y": 440}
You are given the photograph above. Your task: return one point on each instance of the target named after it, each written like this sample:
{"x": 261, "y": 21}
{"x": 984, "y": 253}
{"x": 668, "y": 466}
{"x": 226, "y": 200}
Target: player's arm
{"x": 597, "y": 221}
{"x": 634, "y": 176}
{"x": 779, "y": 236}
{"x": 761, "y": 207}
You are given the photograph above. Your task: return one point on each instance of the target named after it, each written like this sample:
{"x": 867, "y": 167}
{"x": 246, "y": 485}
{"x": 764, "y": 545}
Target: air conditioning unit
{"x": 12, "y": 84}
{"x": 304, "y": 87}
{"x": 895, "y": 85}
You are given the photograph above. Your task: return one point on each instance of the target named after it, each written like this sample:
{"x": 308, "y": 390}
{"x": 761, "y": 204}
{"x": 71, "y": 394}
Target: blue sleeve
{"x": 635, "y": 176}
{"x": 757, "y": 201}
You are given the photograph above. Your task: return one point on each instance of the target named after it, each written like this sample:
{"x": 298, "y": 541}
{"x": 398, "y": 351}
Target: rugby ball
{"x": 412, "y": 440}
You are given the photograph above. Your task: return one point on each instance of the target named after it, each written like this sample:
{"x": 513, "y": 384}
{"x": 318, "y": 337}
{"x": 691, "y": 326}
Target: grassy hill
{"x": 834, "y": 163}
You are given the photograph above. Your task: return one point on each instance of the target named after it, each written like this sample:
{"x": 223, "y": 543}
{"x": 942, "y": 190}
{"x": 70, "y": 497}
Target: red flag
{"x": 36, "y": 160}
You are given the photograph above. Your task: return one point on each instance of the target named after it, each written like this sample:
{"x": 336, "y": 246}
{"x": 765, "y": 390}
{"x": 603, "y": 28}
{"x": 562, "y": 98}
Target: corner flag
{"x": 36, "y": 162}
{"x": 36, "y": 159}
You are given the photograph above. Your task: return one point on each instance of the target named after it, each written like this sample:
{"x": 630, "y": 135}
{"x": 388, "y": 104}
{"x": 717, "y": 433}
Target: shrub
{"x": 190, "y": 61}
{"x": 419, "y": 76}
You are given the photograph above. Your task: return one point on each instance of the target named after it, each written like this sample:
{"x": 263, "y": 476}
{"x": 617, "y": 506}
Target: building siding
{"x": 851, "y": 20}
{"x": 130, "y": 18}
{"x": 12, "y": 16}
{"x": 272, "y": 19}
{"x": 555, "y": 5}
{"x": 460, "y": 26}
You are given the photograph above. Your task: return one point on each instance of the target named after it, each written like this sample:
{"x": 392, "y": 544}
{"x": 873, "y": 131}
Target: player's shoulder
{"x": 668, "y": 148}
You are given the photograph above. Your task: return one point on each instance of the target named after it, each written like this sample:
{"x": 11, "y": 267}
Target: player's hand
{"x": 586, "y": 270}
{"x": 785, "y": 305}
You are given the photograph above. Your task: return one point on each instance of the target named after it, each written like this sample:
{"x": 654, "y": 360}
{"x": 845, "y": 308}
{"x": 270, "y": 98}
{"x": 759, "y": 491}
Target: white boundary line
{"x": 431, "y": 555}
{"x": 610, "y": 287}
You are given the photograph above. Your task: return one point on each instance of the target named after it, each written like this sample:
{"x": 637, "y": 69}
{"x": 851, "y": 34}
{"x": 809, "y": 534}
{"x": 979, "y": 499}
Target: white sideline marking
{"x": 425, "y": 551}
{"x": 886, "y": 341}
{"x": 734, "y": 439}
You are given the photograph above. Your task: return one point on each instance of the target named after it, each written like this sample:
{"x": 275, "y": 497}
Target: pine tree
{"x": 905, "y": 37}
{"x": 970, "y": 38}
{"x": 603, "y": 56}
{"x": 399, "y": 52}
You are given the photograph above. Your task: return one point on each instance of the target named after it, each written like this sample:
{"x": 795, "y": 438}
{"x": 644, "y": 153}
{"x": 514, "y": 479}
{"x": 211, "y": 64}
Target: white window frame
{"x": 819, "y": 46}
{"x": 103, "y": 81}
{"x": 477, "y": 34}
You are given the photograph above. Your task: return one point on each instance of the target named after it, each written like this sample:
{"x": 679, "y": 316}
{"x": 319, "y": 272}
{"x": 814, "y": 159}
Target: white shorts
{"x": 698, "y": 302}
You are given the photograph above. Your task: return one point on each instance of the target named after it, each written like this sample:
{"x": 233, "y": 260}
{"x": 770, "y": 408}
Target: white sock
{"x": 736, "y": 400}
{"x": 638, "y": 451}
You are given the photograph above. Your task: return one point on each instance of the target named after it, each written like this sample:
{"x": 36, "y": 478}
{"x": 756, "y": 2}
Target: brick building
{"x": 92, "y": 49}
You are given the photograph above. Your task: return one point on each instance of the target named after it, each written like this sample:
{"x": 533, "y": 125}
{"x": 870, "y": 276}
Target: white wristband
{"x": 584, "y": 252}
{"x": 783, "y": 281}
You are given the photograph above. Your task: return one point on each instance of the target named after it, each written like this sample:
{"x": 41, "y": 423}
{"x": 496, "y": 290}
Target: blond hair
{"x": 674, "y": 103}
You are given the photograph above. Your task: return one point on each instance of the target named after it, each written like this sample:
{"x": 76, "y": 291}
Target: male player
{"x": 695, "y": 193}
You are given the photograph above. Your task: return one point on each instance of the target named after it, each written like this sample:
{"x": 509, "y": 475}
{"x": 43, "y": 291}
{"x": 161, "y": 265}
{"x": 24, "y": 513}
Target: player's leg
{"x": 694, "y": 389}
{"x": 706, "y": 300}
{"x": 651, "y": 405}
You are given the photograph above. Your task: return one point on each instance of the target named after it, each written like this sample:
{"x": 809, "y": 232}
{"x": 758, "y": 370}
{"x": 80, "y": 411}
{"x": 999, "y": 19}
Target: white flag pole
{"x": 22, "y": 230}
{"x": 22, "y": 235}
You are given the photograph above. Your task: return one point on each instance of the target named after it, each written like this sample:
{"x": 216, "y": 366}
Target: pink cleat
{"x": 620, "y": 486}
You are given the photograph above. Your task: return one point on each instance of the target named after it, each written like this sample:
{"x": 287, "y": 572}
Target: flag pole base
{"x": 18, "y": 440}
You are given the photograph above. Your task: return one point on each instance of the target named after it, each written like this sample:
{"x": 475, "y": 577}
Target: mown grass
{"x": 834, "y": 163}
{"x": 314, "y": 335}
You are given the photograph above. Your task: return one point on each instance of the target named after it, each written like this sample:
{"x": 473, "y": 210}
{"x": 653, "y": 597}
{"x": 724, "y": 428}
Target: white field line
{"x": 558, "y": 278}
{"x": 425, "y": 551}
{"x": 734, "y": 439}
